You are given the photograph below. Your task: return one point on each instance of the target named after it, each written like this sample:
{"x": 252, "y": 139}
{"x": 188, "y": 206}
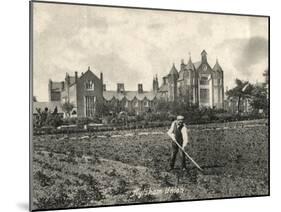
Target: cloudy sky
{"x": 131, "y": 46}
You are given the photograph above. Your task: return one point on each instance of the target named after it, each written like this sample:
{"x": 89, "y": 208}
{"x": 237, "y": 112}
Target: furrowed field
{"x": 121, "y": 167}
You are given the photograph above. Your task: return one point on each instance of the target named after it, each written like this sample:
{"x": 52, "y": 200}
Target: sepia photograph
{"x": 139, "y": 105}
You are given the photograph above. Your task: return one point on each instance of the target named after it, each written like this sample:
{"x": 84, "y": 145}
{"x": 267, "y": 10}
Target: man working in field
{"x": 178, "y": 133}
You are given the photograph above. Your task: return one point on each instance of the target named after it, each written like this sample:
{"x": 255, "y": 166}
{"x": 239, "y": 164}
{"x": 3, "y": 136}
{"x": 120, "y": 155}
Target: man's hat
{"x": 180, "y": 118}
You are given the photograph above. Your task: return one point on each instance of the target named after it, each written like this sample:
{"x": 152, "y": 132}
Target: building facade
{"x": 196, "y": 83}
{"x": 136, "y": 102}
{"x": 84, "y": 92}
{"x": 87, "y": 92}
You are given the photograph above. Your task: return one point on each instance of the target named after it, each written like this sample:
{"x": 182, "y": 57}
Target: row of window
{"x": 136, "y": 103}
{"x": 89, "y": 85}
{"x": 90, "y": 105}
{"x": 204, "y": 81}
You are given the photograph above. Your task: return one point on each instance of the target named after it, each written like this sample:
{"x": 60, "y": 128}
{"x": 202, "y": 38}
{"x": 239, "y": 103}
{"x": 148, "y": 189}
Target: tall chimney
{"x": 140, "y": 89}
{"x": 120, "y": 88}
{"x": 101, "y": 76}
{"x": 50, "y": 90}
{"x": 76, "y": 76}
{"x": 62, "y": 85}
{"x": 50, "y": 83}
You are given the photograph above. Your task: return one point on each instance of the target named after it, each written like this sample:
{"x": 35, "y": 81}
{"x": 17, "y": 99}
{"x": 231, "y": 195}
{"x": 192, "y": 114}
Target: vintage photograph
{"x": 137, "y": 105}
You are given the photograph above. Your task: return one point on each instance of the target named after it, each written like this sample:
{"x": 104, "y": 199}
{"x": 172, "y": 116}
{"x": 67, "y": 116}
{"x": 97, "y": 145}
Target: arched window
{"x": 89, "y": 85}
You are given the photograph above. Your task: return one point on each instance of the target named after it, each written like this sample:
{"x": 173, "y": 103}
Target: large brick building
{"x": 138, "y": 101}
{"x": 85, "y": 92}
{"x": 196, "y": 83}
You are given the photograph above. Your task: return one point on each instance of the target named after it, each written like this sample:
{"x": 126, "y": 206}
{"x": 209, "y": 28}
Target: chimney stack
{"x": 50, "y": 82}
{"x": 140, "y": 89}
{"x": 104, "y": 87}
{"x": 120, "y": 88}
{"x": 76, "y": 76}
{"x": 62, "y": 85}
{"x": 101, "y": 76}
{"x": 155, "y": 85}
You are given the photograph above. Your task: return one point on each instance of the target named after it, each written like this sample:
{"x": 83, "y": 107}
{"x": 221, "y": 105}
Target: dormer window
{"x": 146, "y": 104}
{"x": 89, "y": 85}
{"x": 136, "y": 103}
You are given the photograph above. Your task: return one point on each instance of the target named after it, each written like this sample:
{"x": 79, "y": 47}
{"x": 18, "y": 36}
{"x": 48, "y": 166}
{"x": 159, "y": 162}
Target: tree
{"x": 162, "y": 105}
{"x": 242, "y": 90}
{"x": 259, "y": 98}
{"x": 67, "y": 108}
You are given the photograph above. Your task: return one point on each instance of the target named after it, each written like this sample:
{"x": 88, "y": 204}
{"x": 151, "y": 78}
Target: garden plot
{"x": 90, "y": 169}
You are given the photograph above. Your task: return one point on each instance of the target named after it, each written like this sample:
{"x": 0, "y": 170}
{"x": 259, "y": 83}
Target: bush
{"x": 80, "y": 121}
{"x": 53, "y": 120}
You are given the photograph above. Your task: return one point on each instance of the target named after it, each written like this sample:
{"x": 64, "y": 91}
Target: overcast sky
{"x": 131, "y": 46}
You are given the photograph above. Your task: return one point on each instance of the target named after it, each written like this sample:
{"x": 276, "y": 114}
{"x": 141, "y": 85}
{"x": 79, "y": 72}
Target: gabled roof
{"x": 204, "y": 52}
{"x": 109, "y": 95}
{"x": 50, "y": 105}
{"x": 217, "y": 66}
{"x": 129, "y": 95}
{"x": 174, "y": 71}
{"x": 190, "y": 65}
{"x": 197, "y": 64}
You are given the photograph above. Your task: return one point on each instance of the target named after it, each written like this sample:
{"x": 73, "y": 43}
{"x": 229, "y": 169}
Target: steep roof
{"x": 217, "y": 66}
{"x": 174, "y": 71}
{"x": 50, "y": 105}
{"x": 129, "y": 95}
{"x": 197, "y": 64}
{"x": 204, "y": 52}
{"x": 109, "y": 95}
{"x": 190, "y": 65}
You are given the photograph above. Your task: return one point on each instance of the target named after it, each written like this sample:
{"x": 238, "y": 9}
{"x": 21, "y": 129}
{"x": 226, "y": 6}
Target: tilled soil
{"x": 99, "y": 169}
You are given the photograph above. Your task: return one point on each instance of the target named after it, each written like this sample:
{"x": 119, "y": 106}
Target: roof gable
{"x": 217, "y": 67}
{"x": 197, "y": 64}
{"x": 129, "y": 95}
{"x": 88, "y": 75}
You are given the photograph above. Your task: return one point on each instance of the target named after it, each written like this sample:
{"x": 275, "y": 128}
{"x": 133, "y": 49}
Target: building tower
{"x": 218, "y": 87}
{"x": 172, "y": 83}
{"x": 155, "y": 84}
